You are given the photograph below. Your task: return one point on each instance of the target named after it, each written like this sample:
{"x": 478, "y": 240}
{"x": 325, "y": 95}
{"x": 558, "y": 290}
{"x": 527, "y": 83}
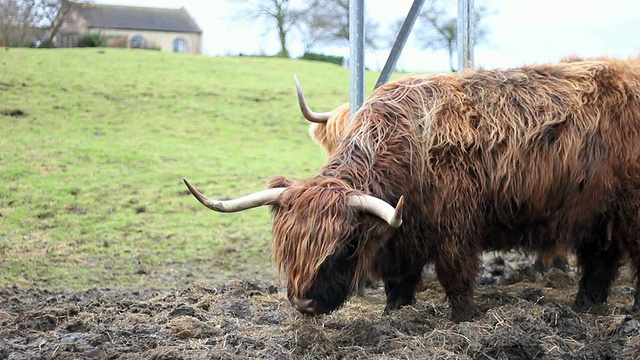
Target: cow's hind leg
{"x": 633, "y": 248}
{"x": 457, "y": 275}
{"x": 599, "y": 262}
{"x": 636, "y": 297}
{"x": 401, "y": 291}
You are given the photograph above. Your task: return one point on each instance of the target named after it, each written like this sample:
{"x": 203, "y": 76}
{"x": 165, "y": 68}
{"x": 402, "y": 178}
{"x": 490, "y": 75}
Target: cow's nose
{"x": 304, "y": 305}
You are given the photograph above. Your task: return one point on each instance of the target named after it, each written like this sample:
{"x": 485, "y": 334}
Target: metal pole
{"x": 401, "y": 40}
{"x": 466, "y": 34}
{"x": 356, "y": 57}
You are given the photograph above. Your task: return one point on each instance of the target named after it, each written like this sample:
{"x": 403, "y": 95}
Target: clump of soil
{"x": 13, "y": 112}
{"x": 525, "y": 316}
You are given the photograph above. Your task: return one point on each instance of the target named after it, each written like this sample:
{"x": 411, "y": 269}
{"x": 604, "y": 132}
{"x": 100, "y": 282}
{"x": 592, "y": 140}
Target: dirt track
{"x": 525, "y": 317}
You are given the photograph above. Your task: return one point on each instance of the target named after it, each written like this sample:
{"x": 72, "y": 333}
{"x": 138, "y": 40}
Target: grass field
{"x": 94, "y": 144}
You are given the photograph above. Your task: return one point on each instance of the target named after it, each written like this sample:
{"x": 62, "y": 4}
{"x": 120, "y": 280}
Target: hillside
{"x": 94, "y": 144}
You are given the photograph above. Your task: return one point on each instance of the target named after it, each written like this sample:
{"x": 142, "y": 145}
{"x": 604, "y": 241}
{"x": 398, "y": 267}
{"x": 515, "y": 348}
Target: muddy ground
{"x": 526, "y": 316}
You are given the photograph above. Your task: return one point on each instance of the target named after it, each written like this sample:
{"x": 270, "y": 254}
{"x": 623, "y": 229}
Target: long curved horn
{"x": 259, "y": 198}
{"x": 304, "y": 108}
{"x": 379, "y": 208}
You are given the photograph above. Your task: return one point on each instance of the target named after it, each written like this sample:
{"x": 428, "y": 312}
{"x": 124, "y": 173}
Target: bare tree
{"x": 21, "y": 20}
{"x": 439, "y": 28}
{"x": 56, "y": 12}
{"x": 17, "y": 19}
{"x": 327, "y": 22}
{"x": 276, "y": 14}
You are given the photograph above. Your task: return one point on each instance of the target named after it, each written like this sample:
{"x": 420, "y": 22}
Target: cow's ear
{"x": 281, "y": 181}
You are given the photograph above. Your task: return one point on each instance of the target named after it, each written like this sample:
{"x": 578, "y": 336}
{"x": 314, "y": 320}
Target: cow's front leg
{"x": 401, "y": 292}
{"x": 457, "y": 275}
{"x": 599, "y": 269}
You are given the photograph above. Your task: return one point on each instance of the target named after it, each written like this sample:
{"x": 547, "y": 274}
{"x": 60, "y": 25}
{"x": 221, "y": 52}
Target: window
{"x": 180, "y": 45}
{"x": 138, "y": 42}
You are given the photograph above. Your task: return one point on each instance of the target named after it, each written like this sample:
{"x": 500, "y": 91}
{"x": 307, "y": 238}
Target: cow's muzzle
{"x": 304, "y": 305}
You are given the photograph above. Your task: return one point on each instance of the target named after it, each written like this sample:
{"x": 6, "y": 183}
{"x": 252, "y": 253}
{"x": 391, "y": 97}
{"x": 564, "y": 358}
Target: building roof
{"x": 137, "y": 18}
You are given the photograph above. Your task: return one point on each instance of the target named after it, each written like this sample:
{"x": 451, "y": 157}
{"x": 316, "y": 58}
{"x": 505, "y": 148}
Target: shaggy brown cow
{"x": 328, "y": 128}
{"x": 530, "y": 157}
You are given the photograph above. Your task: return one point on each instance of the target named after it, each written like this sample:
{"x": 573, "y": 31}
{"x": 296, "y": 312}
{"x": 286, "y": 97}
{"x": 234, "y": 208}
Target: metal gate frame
{"x": 356, "y": 45}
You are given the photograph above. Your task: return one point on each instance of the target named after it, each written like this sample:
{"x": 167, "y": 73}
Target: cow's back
{"x": 539, "y": 147}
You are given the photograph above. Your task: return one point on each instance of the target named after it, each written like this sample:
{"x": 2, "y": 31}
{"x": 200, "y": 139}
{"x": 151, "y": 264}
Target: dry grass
{"x": 247, "y": 319}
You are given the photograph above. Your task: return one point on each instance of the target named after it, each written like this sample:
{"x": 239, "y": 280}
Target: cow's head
{"x": 322, "y": 235}
{"x": 327, "y": 128}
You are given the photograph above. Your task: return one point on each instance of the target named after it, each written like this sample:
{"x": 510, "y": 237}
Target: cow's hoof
{"x": 395, "y": 305}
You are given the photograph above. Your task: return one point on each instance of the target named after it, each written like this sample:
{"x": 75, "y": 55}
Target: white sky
{"x": 519, "y": 31}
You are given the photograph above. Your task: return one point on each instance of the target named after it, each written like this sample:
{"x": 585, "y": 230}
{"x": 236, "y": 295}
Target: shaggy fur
{"x": 329, "y": 134}
{"x": 531, "y": 158}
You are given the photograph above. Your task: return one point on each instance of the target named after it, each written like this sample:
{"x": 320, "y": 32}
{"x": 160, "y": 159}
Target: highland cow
{"x": 328, "y": 128}
{"x": 530, "y": 158}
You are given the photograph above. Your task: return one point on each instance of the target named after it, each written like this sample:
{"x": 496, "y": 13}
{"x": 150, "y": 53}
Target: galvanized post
{"x": 401, "y": 40}
{"x": 466, "y": 34}
{"x": 356, "y": 56}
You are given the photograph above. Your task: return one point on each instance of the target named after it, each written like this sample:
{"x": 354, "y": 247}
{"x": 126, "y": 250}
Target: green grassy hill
{"x": 94, "y": 144}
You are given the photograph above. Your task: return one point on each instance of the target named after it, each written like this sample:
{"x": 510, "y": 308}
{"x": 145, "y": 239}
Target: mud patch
{"x": 526, "y": 319}
{"x": 13, "y": 112}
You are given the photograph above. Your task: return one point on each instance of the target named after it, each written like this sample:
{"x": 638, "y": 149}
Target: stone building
{"x": 132, "y": 27}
